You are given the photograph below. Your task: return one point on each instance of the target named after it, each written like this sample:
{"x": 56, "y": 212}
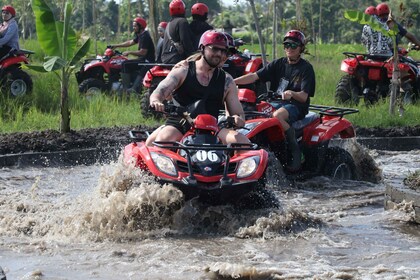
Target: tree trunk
{"x": 274, "y": 54}
{"x": 395, "y": 85}
{"x": 257, "y": 26}
{"x": 320, "y": 21}
{"x": 153, "y": 21}
{"x": 298, "y": 11}
{"x": 64, "y": 106}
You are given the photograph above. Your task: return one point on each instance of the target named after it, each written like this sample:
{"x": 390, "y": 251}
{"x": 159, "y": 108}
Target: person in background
{"x": 161, "y": 32}
{"x": 293, "y": 78}
{"x": 178, "y": 38}
{"x": 9, "y": 32}
{"x": 132, "y": 73}
{"x": 378, "y": 43}
{"x": 199, "y": 25}
{"x": 200, "y": 79}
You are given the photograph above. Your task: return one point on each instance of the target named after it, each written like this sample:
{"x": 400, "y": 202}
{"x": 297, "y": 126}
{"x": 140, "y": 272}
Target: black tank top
{"x": 213, "y": 94}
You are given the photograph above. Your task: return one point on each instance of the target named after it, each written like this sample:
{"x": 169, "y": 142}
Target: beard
{"x": 213, "y": 61}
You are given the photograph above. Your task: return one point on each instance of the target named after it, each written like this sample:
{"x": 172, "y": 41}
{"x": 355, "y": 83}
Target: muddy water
{"x": 110, "y": 222}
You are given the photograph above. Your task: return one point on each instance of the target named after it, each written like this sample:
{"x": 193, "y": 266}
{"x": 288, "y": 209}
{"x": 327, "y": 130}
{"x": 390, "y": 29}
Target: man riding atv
{"x": 131, "y": 73}
{"x": 204, "y": 80}
{"x": 292, "y": 78}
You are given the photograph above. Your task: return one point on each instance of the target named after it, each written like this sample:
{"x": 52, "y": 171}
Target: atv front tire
{"x": 92, "y": 87}
{"x": 17, "y": 83}
{"x": 347, "y": 91}
{"x": 339, "y": 164}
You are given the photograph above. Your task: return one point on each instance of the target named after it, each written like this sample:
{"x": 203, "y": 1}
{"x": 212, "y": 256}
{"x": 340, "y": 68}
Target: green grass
{"x": 41, "y": 110}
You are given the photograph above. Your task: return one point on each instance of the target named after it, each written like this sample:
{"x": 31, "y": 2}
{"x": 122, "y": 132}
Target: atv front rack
{"x": 213, "y": 147}
{"x": 332, "y": 111}
{"x": 138, "y": 135}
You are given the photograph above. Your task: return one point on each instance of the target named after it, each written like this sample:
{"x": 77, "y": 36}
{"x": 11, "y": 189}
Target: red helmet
{"x": 371, "y": 10}
{"x": 213, "y": 37}
{"x": 140, "y": 21}
{"x": 230, "y": 41}
{"x": 10, "y": 9}
{"x": 206, "y": 122}
{"x": 109, "y": 52}
{"x": 163, "y": 24}
{"x": 176, "y": 8}
{"x": 247, "y": 95}
{"x": 200, "y": 9}
{"x": 382, "y": 9}
{"x": 296, "y": 36}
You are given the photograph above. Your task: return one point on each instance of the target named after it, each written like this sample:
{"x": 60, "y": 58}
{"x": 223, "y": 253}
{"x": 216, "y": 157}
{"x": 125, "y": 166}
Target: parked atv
{"x": 13, "y": 80}
{"x": 368, "y": 77}
{"x": 151, "y": 80}
{"x": 199, "y": 164}
{"x": 101, "y": 74}
{"x": 241, "y": 63}
{"x": 313, "y": 133}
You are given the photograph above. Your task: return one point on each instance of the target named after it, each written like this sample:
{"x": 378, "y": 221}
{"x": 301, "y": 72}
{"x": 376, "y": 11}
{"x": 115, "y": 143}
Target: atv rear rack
{"x": 332, "y": 111}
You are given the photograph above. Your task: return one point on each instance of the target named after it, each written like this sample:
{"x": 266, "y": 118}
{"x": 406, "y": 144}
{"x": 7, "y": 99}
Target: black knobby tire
{"x": 347, "y": 91}
{"x": 339, "y": 164}
{"x": 17, "y": 83}
{"x": 145, "y": 103}
{"x": 92, "y": 87}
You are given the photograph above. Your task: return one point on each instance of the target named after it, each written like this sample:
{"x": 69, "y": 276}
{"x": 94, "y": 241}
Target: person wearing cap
{"x": 9, "y": 32}
{"x": 292, "y": 78}
{"x": 201, "y": 79}
{"x": 178, "y": 38}
{"x": 161, "y": 32}
{"x": 199, "y": 24}
{"x": 132, "y": 73}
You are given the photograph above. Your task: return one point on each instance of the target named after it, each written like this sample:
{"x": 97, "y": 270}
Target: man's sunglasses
{"x": 5, "y": 12}
{"x": 216, "y": 49}
{"x": 291, "y": 45}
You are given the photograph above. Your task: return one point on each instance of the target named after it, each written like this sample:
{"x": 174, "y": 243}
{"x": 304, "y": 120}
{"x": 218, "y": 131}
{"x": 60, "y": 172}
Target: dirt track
{"x": 52, "y": 140}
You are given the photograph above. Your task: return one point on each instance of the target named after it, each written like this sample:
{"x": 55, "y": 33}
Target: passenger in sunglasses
{"x": 9, "y": 33}
{"x": 292, "y": 78}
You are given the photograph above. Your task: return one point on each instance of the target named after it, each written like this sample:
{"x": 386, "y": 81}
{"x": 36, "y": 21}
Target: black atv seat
{"x": 310, "y": 117}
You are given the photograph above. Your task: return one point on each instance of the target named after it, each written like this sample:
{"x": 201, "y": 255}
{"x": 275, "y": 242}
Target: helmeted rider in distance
{"x": 199, "y": 24}
{"x": 178, "y": 38}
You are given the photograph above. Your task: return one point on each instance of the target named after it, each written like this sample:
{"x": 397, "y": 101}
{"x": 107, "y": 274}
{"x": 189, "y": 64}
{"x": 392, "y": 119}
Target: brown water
{"x": 110, "y": 222}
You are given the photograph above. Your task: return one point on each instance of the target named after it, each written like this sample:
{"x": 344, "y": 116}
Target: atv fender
{"x": 318, "y": 133}
{"x": 253, "y": 65}
{"x": 14, "y": 60}
{"x": 269, "y": 127}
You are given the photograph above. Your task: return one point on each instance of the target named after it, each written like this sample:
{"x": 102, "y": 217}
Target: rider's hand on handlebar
{"x": 157, "y": 106}
{"x": 287, "y": 95}
{"x": 239, "y": 122}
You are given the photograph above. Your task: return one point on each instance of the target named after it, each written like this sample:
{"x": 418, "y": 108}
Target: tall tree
{"x": 59, "y": 42}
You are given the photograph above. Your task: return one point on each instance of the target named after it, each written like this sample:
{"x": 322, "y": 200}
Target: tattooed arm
{"x": 232, "y": 104}
{"x": 165, "y": 88}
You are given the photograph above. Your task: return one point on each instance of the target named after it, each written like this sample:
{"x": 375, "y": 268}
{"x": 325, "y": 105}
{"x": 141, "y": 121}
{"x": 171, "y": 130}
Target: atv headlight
{"x": 164, "y": 164}
{"x": 247, "y": 167}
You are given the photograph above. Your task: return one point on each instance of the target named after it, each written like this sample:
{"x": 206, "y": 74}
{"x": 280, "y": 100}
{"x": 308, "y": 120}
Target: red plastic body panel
{"x": 14, "y": 60}
{"x": 155, "y": 71}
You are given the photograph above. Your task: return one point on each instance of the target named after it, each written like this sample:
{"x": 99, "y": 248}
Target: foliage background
{"x": 323, "y": 20}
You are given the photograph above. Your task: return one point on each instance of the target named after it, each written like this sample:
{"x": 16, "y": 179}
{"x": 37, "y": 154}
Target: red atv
{"x": 199, "y": 164}
{"x": 241, "y": 63}
{"x": 101, "y": 74}
{"x": 14, "y": 81}
{"x": 151, "y": 80}
{"x": 368, "y": 77}
{"x": 314, "y": 134}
